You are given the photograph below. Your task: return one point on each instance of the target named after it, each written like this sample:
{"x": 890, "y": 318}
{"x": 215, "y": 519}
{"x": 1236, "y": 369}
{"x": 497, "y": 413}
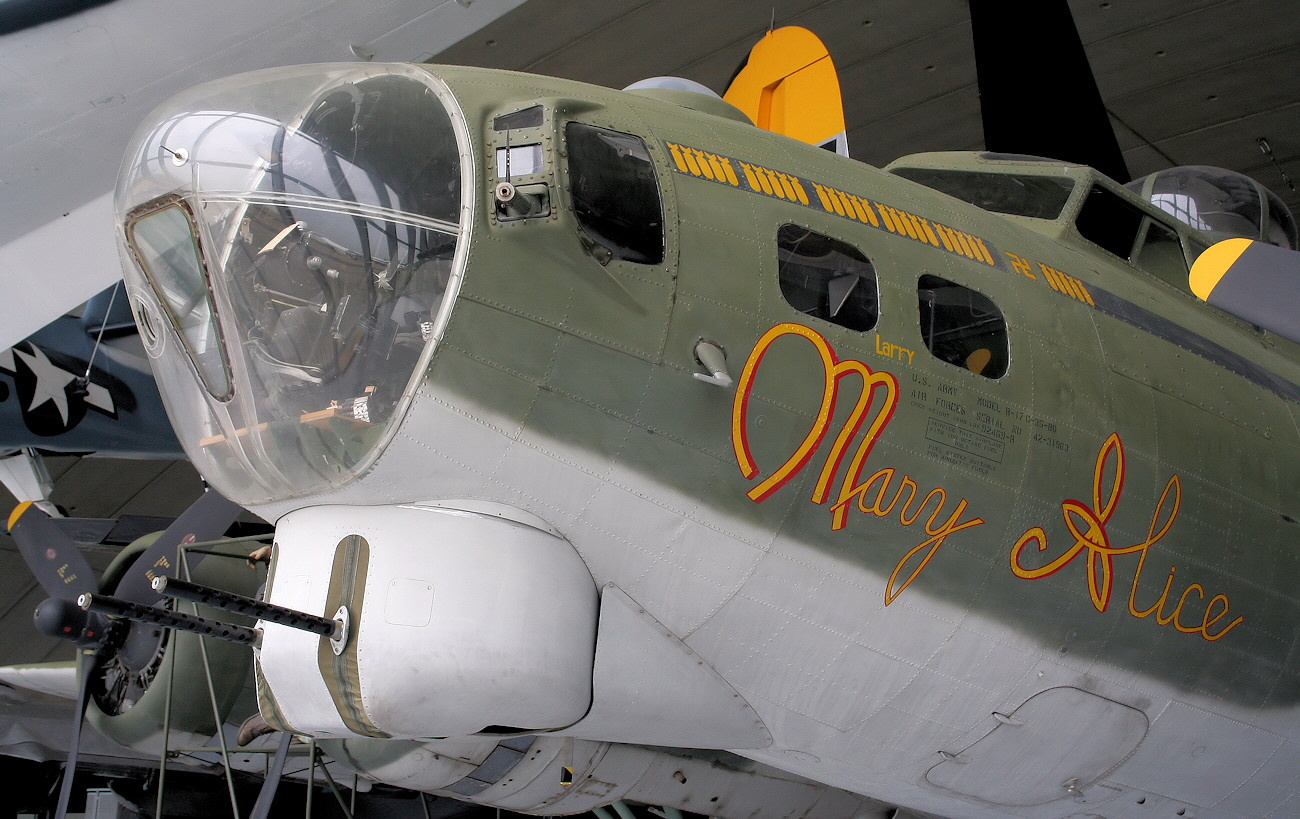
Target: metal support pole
{"x": 334, "y": 789}
{"x": 166, "y": 737}
{"x": 216, "y": 712}
{"x": 311, "y": 775}
{"x": 266, "y": 796}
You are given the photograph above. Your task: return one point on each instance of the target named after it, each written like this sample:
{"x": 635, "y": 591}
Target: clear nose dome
{"x": 290, "y": 237}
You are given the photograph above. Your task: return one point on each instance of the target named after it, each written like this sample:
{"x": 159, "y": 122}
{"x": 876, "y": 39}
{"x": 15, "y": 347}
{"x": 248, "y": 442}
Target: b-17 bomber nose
{"x": 289, "y": 239}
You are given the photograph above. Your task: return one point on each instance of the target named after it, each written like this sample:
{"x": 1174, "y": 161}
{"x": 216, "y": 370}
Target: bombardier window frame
{"x": 816, "y": 281}
{"x": 186, "y": 294}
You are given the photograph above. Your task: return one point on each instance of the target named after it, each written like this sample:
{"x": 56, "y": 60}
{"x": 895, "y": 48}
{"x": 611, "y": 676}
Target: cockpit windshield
{"x": 300, "y": 241}
{"x": 1016, "y": 194}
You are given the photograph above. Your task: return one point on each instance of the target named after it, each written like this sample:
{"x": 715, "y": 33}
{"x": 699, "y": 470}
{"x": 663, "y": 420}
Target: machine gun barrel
{"x": 167, "y": 618}
{"x": 238, "y": 604}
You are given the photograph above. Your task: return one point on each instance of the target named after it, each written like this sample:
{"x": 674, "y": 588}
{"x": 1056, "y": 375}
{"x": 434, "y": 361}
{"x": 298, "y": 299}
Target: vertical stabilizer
{"x": 788, "y": 85}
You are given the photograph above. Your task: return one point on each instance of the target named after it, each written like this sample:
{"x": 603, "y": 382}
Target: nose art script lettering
{"x": 875, "y": 405}
{"x": 1087, "y": 527}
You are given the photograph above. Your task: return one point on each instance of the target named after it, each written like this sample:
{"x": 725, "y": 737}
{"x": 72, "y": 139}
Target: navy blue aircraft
{"x": 81, "y": 384}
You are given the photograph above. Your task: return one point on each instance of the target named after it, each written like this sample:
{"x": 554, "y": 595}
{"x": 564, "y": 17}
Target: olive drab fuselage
{"x": 968, "y": 470}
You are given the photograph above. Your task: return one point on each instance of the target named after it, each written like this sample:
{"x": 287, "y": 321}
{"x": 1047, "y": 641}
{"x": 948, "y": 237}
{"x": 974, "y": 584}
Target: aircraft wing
{"x": 75, "y": 88}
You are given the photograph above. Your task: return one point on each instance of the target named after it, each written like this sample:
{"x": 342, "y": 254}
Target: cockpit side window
{"x": 826, "y": 278}
{"x": 615, "y": 192}
{"x": 1109, "y": 222}
{"x": 1161, "y": 255}
{"x": 1123, "y": 230}
{"x": 963, "y": 327}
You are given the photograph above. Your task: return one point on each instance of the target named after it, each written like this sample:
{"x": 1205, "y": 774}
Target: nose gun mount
{"x": 335, "y": 629}
{"x": 521, "y": 201}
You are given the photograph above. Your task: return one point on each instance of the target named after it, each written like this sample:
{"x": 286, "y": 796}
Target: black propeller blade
{"x": 1037, "y": 92}
{"x": 52, "y": 556}
{"x": 65, "y": 575}
{"x": 207, "y": 518}
{"x": 85, "y": 669}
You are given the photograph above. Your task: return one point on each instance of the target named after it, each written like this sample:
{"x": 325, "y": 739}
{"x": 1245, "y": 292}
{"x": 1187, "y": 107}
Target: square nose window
{"x": 166, "y": 246}
{"x": 519, "y": 160}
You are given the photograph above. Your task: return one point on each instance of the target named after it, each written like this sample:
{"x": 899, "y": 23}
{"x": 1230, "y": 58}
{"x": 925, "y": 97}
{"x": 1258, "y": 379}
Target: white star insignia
{"x": 51, "y": 381}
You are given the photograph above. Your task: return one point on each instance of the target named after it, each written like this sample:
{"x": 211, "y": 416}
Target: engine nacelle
{"x": 132, "y": 710}
{"x": 457, "y": 622}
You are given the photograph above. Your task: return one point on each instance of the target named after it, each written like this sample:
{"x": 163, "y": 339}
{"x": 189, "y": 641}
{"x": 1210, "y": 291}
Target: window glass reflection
{"x": 164, "y": 241}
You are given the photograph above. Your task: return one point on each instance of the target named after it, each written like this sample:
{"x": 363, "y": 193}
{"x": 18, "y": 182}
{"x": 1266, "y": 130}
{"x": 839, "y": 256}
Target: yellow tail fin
{"x": 789, "y": 86}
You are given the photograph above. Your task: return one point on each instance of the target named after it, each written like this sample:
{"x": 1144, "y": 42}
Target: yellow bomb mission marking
{"x": 807, "y": 193}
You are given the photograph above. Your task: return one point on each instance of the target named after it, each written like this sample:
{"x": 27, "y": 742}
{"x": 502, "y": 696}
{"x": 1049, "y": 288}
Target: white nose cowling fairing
{"x": 292, "y": 240}
{"x": 488, "y": 624}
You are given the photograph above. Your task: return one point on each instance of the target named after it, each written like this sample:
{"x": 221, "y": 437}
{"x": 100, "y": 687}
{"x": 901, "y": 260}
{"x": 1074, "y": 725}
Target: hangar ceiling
{"x": 1192, "y": 83}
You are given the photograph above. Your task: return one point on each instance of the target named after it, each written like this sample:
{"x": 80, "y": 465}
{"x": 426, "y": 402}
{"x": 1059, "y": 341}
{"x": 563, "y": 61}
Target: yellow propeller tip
{"x": 17, "y": 513}
{"x": 1212, "y": 264}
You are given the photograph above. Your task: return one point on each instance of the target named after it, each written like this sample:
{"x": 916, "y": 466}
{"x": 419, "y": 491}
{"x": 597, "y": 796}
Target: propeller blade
{"x": 206, "y": 519}
{"x": 262, "y": 808}
{"x": 84, "y": 672}
{"x": 52, "y": 556}
{"x": 1040, "y": 101}
{"x": 1252, "y": 280}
